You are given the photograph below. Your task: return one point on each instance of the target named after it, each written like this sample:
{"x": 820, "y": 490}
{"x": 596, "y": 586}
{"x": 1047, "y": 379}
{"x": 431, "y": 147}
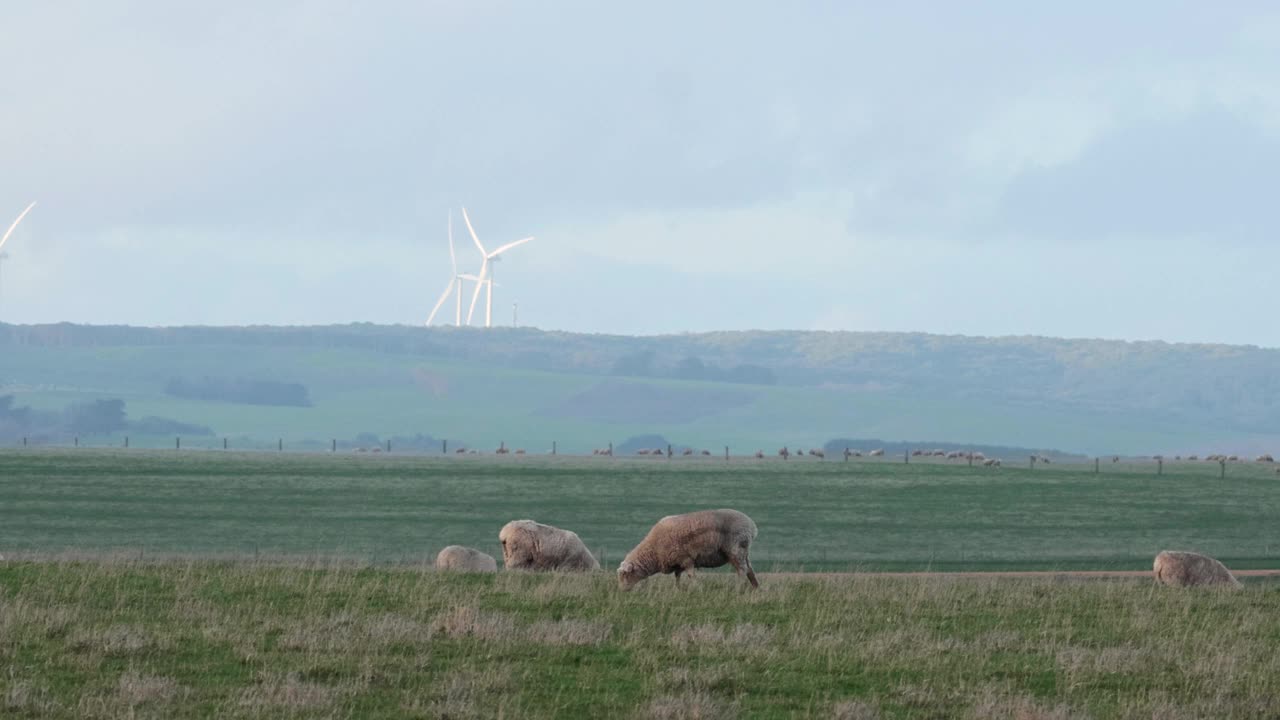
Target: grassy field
{"x": 263, "y": 640}
{"x": 812, "y": 515}
{"x": 389, "y": 394}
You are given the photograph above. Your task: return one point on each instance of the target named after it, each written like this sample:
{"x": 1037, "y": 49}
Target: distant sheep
{"x": 706, "y": 452}
{"x": 784, "y": 453}
{"x": 1188, "y": 569}
{"x": 460, "y": 451}
{"x": 876, "y": 453}
{"x": 1193, "y": 457}
{"x": 519, "y": 451}
{"x": 991, "y": 462}
{"x": 1233, "y": 458}
{"x": 687, "y": 452}
{"x": 1265, "y": 459}
{"x": 759, "y": 454}
{"x": 465, "y": 559}
{"x": 642, "y": 451}
{"x": 529, "y": 545}
{"x": 679, "y": 543}
{"x": 917, "y": 453}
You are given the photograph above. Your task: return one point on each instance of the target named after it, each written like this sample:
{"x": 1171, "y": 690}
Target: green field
{"x": 481, "y": 404}
{"x": 812, "y": 515}
{"x": 264, "y": 640}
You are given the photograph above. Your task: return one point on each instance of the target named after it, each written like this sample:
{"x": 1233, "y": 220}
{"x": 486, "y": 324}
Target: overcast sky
{"x": 1089, "y": 170}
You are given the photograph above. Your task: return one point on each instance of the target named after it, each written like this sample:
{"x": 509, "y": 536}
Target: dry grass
{"x": 206, "y": 639}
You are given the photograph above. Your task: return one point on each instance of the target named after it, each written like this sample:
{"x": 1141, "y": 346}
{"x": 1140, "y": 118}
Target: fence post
{"x": 126, "y": 441}
{"x": 1033, "y": 462}
{"x": 444, "y": 447}
{"x": 177, "y": 443}
{"x": 668, "y": 451}
{"x": 24, "y": 441}
{"x": 906, "y": 457}
{"x": 1159, "y": 466}
{"x": 1223, "y": 465}
{"x": 610, "y": 449}
{"x": 726, "y": 453}
{"x": 224, "y": 443}
{"x": 553, "y": 447}
{"x": 280, "y": 444}
{"x": 334, "y": 446}
{"x": 1096, "y": 466}
{"x": 77, "y": 441}
{"x": 388, "y": 446}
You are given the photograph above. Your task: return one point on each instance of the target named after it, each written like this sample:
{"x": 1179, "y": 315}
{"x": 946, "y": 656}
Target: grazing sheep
{"x": 917, "y": 453}
{"x": 460, "y": 451}
{"x": 687, "y": 452}
{"x": 457, "y": 557}
{"x": 1193, "y": 457}
{"x": 759, "y": 454}
{"x": 528, "y": 545}
{"x": 642, "y": 451}
{"x": 784, "y": 453}
{"x": 1233, "y": 458}
{"x": 1187, "y": 569}
{"x": 519, "y": 451}
{"x": 679, "y": 543}
{"x": 820, "y": 454}
{"x": 1266, "y": 459}
{"x": 706, "y": 452}
{"x": 978, "y": 456}
{"x": 501, "y": 450}
{"x": 876, "y": 453}
{"x": 991, "y": 462}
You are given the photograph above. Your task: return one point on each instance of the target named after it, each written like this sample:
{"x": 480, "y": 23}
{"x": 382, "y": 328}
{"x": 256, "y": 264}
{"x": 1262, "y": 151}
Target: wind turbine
{"x": 3, "y": 255}
{"x": 455, "y": 283}
{"x": 486, "y": 272}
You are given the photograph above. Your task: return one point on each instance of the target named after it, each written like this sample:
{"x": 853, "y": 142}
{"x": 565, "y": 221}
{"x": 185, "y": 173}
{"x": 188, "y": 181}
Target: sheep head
{"x": 629, "y": 573}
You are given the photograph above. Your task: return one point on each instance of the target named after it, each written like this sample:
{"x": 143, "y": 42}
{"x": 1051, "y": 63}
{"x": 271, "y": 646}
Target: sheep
{"x": 1265, "y": 459}
{"x": 460, "y": 451}
{"x": 679, "y": 543}
{"x": 528, "y": 545}
{"x": 820, "y": 454}
{"x": 1233, "y": 458}
{"x": 917, "y": 453}
{"x": 1187, "y": 569}
{"x": 991, "y": 462}
{"x": 978, "y": 456}
{"x": 876, "y": 453}
{"x": 706, "y": 452}
{"x": 642, "y": 451}
{"x": 502, "y": 450}
{"x": 784, "y": 453}
{"x": 687, "y": 452}
{"x": 519, "y": 451}
{"x": 1193, "y": 457}
{"x": 759, "y": 454}
{"x": 457, "y": 557}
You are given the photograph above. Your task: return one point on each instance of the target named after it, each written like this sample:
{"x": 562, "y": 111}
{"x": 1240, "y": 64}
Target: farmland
{"x": 206, "y": 584}
{"x": 813, "y": 515}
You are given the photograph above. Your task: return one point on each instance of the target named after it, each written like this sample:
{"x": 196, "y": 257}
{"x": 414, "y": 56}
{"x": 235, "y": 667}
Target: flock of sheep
{"x": 677, "y": 544}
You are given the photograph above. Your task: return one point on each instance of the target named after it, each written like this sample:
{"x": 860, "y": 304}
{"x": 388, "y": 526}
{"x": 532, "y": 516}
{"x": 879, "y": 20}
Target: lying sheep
{"x": 528, "y": 545}
{"x": 457, "y": 557}
{"x": 1187, "y": 569}
{"x": 679, "y": 543}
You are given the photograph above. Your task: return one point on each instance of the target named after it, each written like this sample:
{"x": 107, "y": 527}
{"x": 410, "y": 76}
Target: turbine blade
{"x": 14, "y": 226}
{"x": 472, "y": 230}
{"x": 476, "y": 295}
{"x": 507, "y": 247}
{"x": 443, "y": 296}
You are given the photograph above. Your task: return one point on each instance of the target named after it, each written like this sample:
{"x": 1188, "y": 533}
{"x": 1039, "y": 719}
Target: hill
{"x": 527, "y": 388}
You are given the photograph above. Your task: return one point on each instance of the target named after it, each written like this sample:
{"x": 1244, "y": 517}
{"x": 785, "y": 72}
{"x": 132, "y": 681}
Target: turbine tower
{"x": 486, "y": 272}
{"x": 3, "y": 255}
{"x": 455, "y": 284}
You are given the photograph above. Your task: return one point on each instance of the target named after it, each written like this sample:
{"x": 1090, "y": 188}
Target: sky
{"x": 998, "y": 168}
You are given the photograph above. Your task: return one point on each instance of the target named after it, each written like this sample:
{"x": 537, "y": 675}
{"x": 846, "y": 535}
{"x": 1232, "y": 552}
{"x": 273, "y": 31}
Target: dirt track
{"x": 1087, "y": 574}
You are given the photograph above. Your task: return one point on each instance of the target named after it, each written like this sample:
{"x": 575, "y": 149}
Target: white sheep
{"x": 1187, "y": 569}
{"x": 465, "y": 559}
{"x": 529, "y": 545}
{"x": 679, "y": 543}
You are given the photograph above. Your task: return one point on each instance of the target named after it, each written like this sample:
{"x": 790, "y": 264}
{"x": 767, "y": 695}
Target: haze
{"x": 1095, "y": 171}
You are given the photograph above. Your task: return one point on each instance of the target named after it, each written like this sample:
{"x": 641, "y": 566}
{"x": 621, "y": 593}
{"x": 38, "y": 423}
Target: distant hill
{"x": 529, "y": 387}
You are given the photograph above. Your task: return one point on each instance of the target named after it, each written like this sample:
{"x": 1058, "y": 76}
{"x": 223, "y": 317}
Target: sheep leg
{"x": 745, "y": 562}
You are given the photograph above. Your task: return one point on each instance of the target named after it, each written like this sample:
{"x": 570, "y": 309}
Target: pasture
{"x": 202, "y": 639}
{"x": 813, "y": 515}
{"x": 206, "y": 584}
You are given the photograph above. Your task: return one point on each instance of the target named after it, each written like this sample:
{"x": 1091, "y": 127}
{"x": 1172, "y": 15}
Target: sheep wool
{"x": 529, "y": 545}
{"x": 465, "y": 559}
{"x": 1187, "y": 569}
{"x": 679, "y": 543}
